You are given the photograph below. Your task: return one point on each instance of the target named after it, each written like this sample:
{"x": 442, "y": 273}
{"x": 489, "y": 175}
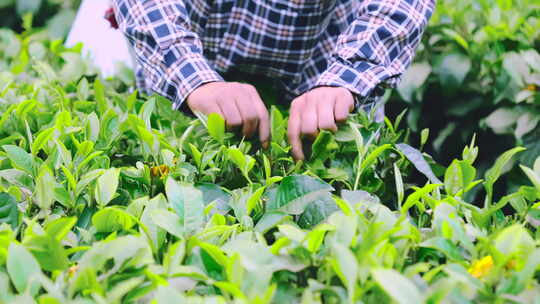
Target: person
{"x": 329, "y": 56}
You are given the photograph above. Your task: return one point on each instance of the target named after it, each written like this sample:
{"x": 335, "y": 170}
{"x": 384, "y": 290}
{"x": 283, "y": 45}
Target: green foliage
{"x": 107, "y": 196}
{"x": 477, "y": 71}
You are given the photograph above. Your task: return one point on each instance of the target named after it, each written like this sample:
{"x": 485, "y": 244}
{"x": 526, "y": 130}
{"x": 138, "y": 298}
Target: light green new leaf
{"x": 44, "y": 195}
{"x": 254, "y": 199}
{"x": 346, "y": 267}
{"x": 193, "y": 209}
{"x": 532, "y": 175}
{"x": 106, "y": 186}
{"x": 400, "y": 190}
{"x": 323, "y": 146}
{"x": 20, "y": 159}
{"x": 216, "y": 127}
{"x": 42, "y": 139}
{"x": 168, "y": 221}
{"x": 168, "y": 295}
{"x": 373, "y": 156}
{"x": 459, "y": 175}
{"x": 48, "y": 251}
{"x": 92, "y": 127}
{"x": 277, "y": 125}
{"x": 188, "y": 203}
{"x": 156, "y": 234}
{"x": 86, "y": 179}
{"x": 243, "y": 161}
{"x": 512, "y": 241}
{"x": 110, "y": 219}
{"x": 60, "y": 227}
{"x": 398, "y": 287}
{"x": 99, "y": 95}
{"x": 418, "y": 194}
{"x": 493, "y": 174}
{"x": 23, "y": 269}
{"x": 146, "y": 112}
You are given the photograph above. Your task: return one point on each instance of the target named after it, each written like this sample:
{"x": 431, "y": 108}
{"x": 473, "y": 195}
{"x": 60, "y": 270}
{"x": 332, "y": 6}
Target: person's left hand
{"x": 318, "y": 109}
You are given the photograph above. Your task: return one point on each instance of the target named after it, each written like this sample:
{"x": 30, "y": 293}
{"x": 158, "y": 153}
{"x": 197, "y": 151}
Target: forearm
{"x": 379, "y": 45}
{"x": 169, "y": 52}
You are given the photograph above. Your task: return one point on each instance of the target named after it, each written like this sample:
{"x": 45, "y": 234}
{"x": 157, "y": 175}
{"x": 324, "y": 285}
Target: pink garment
{"x": 109, "y": 15}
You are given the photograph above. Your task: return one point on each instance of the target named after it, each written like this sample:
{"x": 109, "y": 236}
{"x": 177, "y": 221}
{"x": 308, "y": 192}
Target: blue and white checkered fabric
{"x": 355, "y": 44}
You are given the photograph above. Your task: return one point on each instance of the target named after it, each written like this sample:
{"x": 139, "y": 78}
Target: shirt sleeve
{"x": 168, "y": 51}
{"x": 378, "y": 45}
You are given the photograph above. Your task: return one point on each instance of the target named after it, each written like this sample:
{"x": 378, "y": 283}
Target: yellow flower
{"x": 73, "y": 269}
{"x": 160, "y": 171}
{"x": 481, "y": 267}
{"x": 531, "y": 87}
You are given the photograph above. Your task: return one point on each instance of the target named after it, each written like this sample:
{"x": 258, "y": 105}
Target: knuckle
{"x": 234, "y": 122}
{"x": 341, "y": 117}
{"x": 327, "y": 125}
{"x": 344, "y": 93}
{"x": 296, "y": 103}
{"x": 252, "y": 117}
{"x": 309, "y": 130}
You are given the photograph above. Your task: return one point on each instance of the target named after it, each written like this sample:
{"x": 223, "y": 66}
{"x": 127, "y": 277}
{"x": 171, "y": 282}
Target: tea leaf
{"x": 23, "y": 269}
{"x": 398, "y": 287}
{"x": 112, "y": 219}
{"x": 216, "y": 127}
{"x": 20, "y": 159}
{"x": 106, "y": 186}
{"x": 295, "y": 192}
{"x": 9, "y": 213}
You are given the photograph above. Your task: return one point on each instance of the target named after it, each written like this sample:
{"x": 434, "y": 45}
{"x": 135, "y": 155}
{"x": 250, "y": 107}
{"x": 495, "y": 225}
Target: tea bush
{"x": 477, "y": 71}
{"x": 107, "y": 196}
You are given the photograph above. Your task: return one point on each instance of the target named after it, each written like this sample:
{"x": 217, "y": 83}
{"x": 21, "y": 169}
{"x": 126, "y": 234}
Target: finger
{"x": 232, "y": 116}
{"x": 249, "y": 115}
{"x": 309, "y": 120}
{"x": 294, "y": 129}
{"x": 212, "y": 107}
{"x": 264, "y": 119}
{"x": 325, "y": 115}
{"x": 343, "y": 106}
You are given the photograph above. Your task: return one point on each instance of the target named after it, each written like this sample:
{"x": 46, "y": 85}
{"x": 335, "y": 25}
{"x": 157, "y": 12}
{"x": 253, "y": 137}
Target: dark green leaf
{"x": 416, "y": 158}
{"x": 295, "y": 192}
{"x": 9, "y": 212}
{"x": 317, "y": 211}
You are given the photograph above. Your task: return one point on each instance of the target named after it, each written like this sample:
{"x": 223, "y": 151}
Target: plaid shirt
{"x": 356, "y": 44}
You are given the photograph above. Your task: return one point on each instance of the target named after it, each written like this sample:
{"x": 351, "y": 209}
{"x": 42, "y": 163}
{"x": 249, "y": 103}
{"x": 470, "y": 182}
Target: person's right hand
{"x": 239, "y": 104}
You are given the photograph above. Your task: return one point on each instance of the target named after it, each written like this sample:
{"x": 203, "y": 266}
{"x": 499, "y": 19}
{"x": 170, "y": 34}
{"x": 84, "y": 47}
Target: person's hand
{"x": 239, "y": 104}
{"x": 318, "y": 109}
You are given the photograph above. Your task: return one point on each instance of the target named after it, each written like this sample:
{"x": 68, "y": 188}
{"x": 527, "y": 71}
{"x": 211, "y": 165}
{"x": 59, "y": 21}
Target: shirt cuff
{"x": 363, "y": 79}
{"x": 185, "y": 75}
